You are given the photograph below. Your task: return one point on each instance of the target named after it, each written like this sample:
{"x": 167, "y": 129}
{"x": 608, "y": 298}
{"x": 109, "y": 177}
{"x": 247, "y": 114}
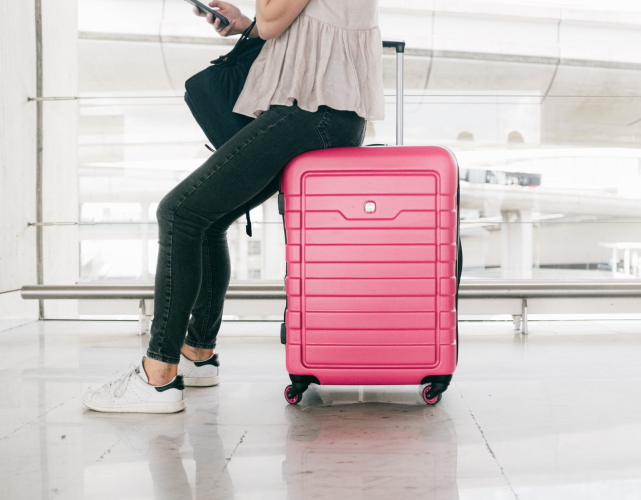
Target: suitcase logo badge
{"x": 370, "y": 207}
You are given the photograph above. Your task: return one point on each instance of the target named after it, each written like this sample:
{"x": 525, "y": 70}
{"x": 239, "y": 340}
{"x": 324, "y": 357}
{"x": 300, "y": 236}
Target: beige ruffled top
{"x": 331, "y": 54}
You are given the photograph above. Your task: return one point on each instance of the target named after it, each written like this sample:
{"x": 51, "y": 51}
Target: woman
{"x": 315, "y": 83}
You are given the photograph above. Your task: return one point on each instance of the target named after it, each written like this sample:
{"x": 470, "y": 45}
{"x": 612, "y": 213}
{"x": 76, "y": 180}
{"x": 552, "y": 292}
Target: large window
{"x": 543, "y": 113}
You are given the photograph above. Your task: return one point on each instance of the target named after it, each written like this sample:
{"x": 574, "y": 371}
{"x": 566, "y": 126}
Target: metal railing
{"x": 539, "y": 289}
{"x": 254, "y": 290}
{"x": 274, "y": 290}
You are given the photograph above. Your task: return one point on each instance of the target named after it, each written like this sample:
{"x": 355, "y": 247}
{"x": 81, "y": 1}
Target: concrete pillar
{"x": 60, "y": 248}
{"x": 516, "y": 245}
{"x": 615, "y": 261}
{"x": 144, "y": 238}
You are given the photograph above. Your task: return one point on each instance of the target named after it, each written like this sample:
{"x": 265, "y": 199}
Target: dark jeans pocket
{"x": 339, "y": 128}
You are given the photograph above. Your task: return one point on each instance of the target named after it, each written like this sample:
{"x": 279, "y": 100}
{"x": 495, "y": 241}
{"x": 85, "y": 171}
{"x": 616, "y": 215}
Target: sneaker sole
{"x": 201, "y": 381}
{"x": 173, "y": 407}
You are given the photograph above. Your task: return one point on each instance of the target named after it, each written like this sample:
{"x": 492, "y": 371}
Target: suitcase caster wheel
{"x": 292, "y": 401}
{"x": 429, "y": 401}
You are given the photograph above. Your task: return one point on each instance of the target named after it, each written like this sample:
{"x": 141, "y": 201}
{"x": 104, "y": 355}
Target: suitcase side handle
{"x": 399, "y": 46}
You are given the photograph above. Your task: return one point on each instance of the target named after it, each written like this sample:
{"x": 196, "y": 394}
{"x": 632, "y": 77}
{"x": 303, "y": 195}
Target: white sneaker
{"x": 199, "y": 373}
{"x": 132, "y": 393}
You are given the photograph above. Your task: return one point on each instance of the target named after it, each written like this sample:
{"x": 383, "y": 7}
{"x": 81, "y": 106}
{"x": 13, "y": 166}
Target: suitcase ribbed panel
{"x": 371, "y": 250}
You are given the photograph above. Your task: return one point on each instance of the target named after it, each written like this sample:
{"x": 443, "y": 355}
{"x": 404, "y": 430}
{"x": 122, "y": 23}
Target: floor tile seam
{"x": 487, "y": 444}
{"x": 240, "y": 441}
{"x": 105, "y": 453}
{"x": 108, "y": 450}
{"x": 34, "y": 420}
{"x": 610, "y": 328}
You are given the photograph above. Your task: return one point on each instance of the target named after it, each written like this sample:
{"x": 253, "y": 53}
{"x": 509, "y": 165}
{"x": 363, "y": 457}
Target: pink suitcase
{"x": 371, "y": 248}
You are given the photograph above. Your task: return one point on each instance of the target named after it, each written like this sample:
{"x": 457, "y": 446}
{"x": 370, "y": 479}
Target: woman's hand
{"x": 273, "y": 17}
{"x": 238, "y": 22}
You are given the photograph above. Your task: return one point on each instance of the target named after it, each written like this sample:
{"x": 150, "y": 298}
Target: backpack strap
{"x": 231, "y": 56}
{"x": 248, "y": 226}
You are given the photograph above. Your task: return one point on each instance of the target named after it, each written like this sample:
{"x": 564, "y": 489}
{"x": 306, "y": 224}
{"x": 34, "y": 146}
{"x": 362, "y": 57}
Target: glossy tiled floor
{"x": 556, "y": 415}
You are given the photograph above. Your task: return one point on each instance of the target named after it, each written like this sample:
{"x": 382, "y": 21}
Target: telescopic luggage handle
{"x": 399, "y": 45}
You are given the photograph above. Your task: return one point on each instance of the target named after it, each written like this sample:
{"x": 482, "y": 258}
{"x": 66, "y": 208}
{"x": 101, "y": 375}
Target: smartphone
{"x": 207, "y": 9}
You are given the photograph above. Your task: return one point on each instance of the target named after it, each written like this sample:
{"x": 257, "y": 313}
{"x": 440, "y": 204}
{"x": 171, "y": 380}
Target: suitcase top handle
{"x": 399, "y": 45}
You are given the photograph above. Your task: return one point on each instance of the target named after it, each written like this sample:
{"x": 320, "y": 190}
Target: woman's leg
{"x": 232, "y": 176}
{"x": 207, "y": 313}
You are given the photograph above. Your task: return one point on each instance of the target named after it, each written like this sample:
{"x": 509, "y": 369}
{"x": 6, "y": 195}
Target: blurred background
{"x": 540, "y": 101}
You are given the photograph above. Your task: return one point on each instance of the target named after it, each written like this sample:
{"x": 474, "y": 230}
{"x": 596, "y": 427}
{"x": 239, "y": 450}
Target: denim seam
{"x": 230, "y": 156}
{"x": 292, "y": 110}
{"x": 167, "y": 293}
{"x": 164, "y": 359}
{"x": 320, "y": 128}
{"x": 209, "y": 289}
{"x": 200, "y": 345}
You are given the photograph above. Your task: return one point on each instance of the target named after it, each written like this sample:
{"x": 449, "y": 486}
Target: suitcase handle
{"x": 399, "y": 45}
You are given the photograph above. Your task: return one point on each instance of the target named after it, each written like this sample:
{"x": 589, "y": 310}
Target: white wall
{"x": 17, "y": 161}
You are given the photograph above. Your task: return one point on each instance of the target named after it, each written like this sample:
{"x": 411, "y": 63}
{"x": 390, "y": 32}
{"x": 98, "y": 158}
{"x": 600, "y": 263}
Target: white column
{"x": 144, "y": 238}
{"x": 516, "y": 245}
{"x": 60, "y": 151}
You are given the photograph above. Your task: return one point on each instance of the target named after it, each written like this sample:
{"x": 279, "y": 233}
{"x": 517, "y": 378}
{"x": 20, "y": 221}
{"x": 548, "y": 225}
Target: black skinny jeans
{"x": 193, "y": 268}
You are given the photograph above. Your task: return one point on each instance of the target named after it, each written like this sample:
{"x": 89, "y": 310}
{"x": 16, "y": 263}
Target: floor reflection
{"x": 523, "y": 409}
{"x": 212, "y": 479}
{"x": 184, "y": 453}
{"x": 342, "y": 449}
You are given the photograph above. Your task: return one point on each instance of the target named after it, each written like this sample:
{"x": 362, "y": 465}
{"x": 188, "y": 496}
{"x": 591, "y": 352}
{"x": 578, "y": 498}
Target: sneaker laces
{"x": 118, "y": 387}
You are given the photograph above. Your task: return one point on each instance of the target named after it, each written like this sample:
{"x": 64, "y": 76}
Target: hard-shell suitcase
{"x": 372, "y": 265}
